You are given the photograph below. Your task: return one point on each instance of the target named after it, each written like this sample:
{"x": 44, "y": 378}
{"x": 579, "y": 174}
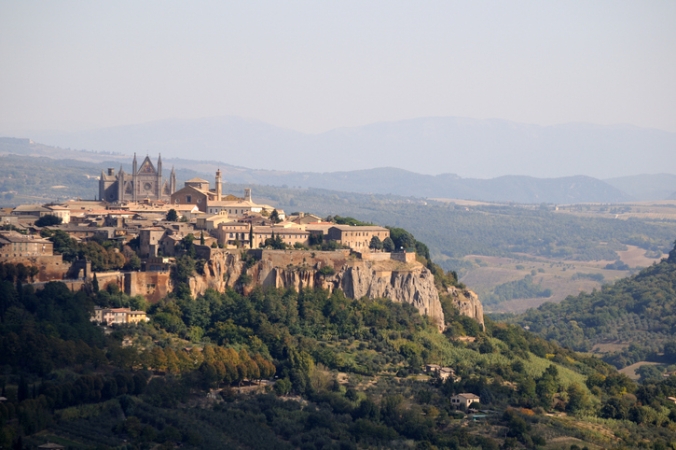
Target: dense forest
{"x": 639, "y": 313}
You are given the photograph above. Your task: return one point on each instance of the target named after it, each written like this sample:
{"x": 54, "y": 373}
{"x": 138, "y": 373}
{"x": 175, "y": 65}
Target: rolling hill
{"x": 472, "y": 148}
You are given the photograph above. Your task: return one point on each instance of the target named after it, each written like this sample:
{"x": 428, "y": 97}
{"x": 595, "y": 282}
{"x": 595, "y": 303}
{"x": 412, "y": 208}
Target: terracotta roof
{"x": 360, "y": 228}
{"x": 30, "y": 208}
{"x": 17, "y": 237}
{"x": 469, "y": 396}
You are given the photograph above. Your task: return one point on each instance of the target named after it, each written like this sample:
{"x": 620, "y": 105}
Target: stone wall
{"x": 106, "y": 278}
{"x": 51, "y": 267}
{"x": 153, "y": 286}
{"x": 385, "y": 256}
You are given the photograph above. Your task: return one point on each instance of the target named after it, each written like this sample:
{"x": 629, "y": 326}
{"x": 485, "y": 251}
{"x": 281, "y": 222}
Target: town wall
{"x": 107, "y": 278}
{"x": 386, "y": 256}
{"x": 283, "y": 258}
{"x": 153, "y": 286}
{"x": 51, "y": 267}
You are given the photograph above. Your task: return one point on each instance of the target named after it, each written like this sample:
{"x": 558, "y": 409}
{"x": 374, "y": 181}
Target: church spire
{"x": 134, "y": 176}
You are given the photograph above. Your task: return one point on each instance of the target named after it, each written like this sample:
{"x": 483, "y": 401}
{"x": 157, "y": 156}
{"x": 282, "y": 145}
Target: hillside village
{"x": 142, "y": 223}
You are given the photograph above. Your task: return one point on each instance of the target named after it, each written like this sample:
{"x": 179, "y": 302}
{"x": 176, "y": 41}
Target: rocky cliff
{"x": 399, "y": 281}
{"x": 467, "y": 303}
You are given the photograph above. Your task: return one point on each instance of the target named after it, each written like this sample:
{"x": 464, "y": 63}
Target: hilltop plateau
{"x": 571, "y": 247}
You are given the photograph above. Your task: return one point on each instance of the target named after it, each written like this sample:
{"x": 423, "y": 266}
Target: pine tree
{"x": 95, "y": 283}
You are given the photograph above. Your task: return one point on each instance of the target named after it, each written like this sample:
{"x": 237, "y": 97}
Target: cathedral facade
{"x": 144, "y": 183}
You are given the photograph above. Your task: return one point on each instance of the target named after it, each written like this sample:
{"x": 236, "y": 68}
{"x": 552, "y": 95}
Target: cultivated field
{"x": 564, "y": 278}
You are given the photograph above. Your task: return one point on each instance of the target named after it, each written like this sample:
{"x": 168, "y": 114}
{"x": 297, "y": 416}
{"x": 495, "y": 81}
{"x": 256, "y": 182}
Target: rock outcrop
{"x": 399, "y": 281}
{"x": 467, "y": 303}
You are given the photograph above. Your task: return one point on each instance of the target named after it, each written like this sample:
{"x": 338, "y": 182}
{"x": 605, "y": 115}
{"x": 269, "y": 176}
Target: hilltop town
{"x": 132, "y": 234}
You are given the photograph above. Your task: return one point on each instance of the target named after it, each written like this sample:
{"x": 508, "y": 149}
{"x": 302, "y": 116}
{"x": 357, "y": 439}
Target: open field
{"x": 609, "y": 347}
{"x": 652, "y": 210}
{"x": 564, "y": 278}
{"x": 630, "y": 371}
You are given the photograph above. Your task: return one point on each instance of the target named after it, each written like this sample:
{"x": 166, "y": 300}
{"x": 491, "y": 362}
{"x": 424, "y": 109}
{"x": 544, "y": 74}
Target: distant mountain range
{"x": 471, "y": 148}
{"x": 387, "y": 180}
{"x": 661, "y": 186}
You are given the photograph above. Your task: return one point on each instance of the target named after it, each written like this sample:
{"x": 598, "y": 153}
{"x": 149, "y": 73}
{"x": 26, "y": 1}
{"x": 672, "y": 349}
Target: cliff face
{"x": 401, "y": 282}
{"x": 467, "y": 303}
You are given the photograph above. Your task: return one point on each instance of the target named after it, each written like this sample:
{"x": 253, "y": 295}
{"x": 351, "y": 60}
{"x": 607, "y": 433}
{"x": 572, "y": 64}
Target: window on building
{"x": 188, "y": 198}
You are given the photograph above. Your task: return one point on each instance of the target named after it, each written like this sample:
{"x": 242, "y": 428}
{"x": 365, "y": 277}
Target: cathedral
{"x": 144, "y": 183}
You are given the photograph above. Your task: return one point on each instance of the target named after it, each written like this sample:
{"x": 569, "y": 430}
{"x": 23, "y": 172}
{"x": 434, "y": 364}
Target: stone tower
{"x": 219, "y": 187}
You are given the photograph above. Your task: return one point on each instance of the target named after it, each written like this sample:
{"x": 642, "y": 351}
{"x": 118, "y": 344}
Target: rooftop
{"x": 360, "y": 228}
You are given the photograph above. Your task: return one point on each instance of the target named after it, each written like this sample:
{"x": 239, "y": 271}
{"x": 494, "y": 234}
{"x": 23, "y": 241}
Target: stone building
{"x": 357, "y": 237}
{"x": 289, "y": 236}
{"x": 149, "y": 241}
{"x": 118, "y": 316}
{"x": 464, "y": 400}
{"x": 196, "y": 191}
{"x": 233, "y": 234}
{"x": 145, "y": 182}
{"x": 13, "y": 245}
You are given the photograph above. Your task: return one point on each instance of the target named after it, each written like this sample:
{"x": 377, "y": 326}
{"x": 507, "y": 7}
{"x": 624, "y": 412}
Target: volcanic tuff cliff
{"x": 399, "y": 281}
{"x": 467, "y": 303}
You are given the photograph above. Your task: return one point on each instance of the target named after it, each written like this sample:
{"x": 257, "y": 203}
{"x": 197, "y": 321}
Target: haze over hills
{"x": 386, "y": 180}
{"x": 432, "y": 145}
{"x": 661, "y": 186}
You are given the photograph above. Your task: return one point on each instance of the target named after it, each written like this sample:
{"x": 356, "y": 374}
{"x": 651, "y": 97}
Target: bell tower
{"x": 219, "y": 188}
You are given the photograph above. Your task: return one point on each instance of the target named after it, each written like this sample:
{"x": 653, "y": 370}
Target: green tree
{"x": 388, "y": 244}
{"x": 376, "y": 243}
{"x": 133, "y": 263}
{"x": 172, "y": 215}
{"x": 577, "y": 398}
{"x": 32, "y": 272}
{"x": 48, "y": 220}
{"x": 282, "y": 386}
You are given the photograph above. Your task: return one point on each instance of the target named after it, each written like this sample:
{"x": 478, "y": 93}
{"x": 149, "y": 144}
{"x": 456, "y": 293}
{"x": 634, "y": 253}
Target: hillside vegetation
{"x": 637, "y": 313}
{"x": 329, "y": 372}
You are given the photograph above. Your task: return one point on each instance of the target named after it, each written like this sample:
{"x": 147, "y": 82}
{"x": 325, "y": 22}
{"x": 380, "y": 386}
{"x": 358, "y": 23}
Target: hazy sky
{"x": 313, "y": 66}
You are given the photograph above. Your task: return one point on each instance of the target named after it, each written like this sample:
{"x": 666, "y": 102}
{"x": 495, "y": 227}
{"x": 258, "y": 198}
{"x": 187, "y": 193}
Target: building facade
{"x": 145, "y": 182}
{"x": 357, "y": 237}
{"x": 13, "y": 245}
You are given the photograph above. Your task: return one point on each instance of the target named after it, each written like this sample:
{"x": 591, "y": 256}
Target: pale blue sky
{"x": 313, "y": 66}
